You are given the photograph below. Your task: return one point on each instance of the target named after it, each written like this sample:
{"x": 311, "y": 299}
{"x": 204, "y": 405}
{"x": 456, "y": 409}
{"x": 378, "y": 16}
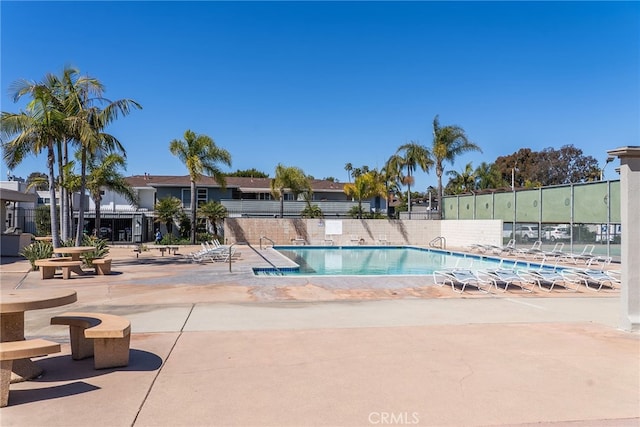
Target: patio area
{"x": 213, "y": 347}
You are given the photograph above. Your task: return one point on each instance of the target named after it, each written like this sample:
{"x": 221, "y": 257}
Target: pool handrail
{"x": 256, "y": 251}
{"x": 441, "y": 240}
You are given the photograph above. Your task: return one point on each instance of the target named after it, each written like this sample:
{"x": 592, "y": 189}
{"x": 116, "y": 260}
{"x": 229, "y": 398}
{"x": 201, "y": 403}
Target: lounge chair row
{"x": 536, "y": 252}
{"x": 544, "y": 277}
{"x": 213, "y": 251}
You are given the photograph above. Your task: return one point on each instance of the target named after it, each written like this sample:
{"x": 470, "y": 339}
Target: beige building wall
{"x": 286, "y": 231}
{"x": 630, "y": 206}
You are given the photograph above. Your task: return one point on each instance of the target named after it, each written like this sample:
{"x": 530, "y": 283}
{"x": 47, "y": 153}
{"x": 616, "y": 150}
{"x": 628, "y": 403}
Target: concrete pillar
{"x": 630, "y": 216}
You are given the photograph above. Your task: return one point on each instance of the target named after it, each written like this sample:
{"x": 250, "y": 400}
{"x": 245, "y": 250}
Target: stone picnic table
{"x": 13, "y": 304}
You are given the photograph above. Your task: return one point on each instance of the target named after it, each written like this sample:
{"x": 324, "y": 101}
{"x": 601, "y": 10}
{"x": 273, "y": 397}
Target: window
{"x": 201, "y": 197}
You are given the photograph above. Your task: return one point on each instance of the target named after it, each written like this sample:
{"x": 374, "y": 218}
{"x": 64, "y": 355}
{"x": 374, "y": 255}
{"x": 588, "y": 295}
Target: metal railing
{"x": 256, "y": 251}
{"x": 266, "y": 238}
{"x": 438, "y": 242}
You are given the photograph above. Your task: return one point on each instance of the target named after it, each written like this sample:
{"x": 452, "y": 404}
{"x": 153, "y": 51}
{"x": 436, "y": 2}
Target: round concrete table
{"x": 13, "y": 304}
{"x": 75, "y": 252}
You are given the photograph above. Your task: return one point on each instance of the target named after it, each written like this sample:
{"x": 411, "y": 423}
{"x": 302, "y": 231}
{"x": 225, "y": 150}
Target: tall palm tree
{"x": 289, "y": 178}
{"x": 103, "y": 173}
{"x": 413, "y": 156}
{"x": 88, "y": 118}
{"x": 348, "y": 167}
{"x": 201, "y": 156}
{"x": 448, "y": 143}
{"x": 390, "y": 178}
{"x": 35, "y": 130}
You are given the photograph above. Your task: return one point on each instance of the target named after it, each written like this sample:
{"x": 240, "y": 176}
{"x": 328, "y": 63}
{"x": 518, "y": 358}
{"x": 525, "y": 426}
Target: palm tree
{"x": 412, "y": 156}
{"x": 288, "y": 178}
{"x": 462, "y": 182}
{"x": 83, "y": 100}
{"x": 488, "y": 176}
{"x": 311, "y": 211}
{"x": 103, "y": 173}
{"x": 389, "y": 175}
{"x": 166, "y": 210}
{"x": 35, "y": 130}
{"x": 213, "y": 212}
{"x": 348, "y": 167}
{"x": 448, "y": 142}
{"x": 365, "y": 186}
{"x": 201, "y": 156}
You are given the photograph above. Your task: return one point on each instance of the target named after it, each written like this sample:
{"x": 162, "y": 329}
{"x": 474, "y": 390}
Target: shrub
{"x": 101, "y": 249}
{"x": 36, "y": 251}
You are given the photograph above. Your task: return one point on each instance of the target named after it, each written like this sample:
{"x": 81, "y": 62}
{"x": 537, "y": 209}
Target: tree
{"x": 348, "y": 167}
{"x": 213, "y": 212}
{"x": 448, "y": 143}
{"x": 38, "y": 180}
{"x": 547, "y": 167}
{"x": 289, "y": 178}
{"x": 462, "y": 182}
{"x": 103, "y": 173}
{"x": 184, "y": 225}
{"x": 167, "y": 210}
{"x": 488, "y": 176}
{"x": 201, "y": 156}
{"x": 412, "y": 156}
{"x": 35, "y": 130}
{"x": 391, "y": 174}
{"x": 365, "y": 186}
{"x": 311, "y": 211}
{"x": 249, "y": 173}
{"x": 42, "y": 220}
{"x": 83, "y": 100}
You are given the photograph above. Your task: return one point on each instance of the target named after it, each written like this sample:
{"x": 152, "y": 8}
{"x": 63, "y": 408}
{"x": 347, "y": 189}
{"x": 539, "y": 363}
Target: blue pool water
{"x": 373, "y": 261}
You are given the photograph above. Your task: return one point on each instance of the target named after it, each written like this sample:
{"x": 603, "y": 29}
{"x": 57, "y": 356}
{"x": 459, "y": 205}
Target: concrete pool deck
{"x": 210, "y": 347}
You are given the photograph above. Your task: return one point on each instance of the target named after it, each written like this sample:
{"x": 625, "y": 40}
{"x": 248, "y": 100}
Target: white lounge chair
{"x": 509, "y": 248}
{"x": 463, "y": 278}
{"x": 598, "y": 278}
{"x": 555, "y": 253}
{"x": 511, "y": 276}
{"x": 533, "y": 251}
{"x": 198, "y": 256}
{"x": 584, "y": 256}
{"x": 551, "y": 276}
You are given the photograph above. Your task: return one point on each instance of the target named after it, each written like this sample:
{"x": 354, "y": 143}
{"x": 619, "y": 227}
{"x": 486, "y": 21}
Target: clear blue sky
{"x": 320, "y": 84}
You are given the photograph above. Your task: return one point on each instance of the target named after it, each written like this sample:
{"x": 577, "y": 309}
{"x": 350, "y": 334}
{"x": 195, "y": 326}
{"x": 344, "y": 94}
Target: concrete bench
{"x": 102, "y": 266}
{"x": 48, "y": 266}
{"x": 106, "y": 337}
{"x": 164, "y": 249}
{"x": 25, "y": 349}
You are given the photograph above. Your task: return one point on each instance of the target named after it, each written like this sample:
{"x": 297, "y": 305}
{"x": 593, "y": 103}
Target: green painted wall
{"x": 589, "y": 203}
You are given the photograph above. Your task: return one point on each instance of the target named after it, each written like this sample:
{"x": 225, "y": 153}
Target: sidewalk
{"x": 211, "y": 348}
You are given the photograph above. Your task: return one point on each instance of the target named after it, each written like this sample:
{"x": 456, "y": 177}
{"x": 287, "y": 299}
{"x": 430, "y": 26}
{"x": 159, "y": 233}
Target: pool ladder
{"x": 438, "y": 242}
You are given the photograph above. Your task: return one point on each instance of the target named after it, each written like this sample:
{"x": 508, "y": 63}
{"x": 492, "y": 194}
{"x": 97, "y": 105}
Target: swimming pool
{"x": 372, "y": 261}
